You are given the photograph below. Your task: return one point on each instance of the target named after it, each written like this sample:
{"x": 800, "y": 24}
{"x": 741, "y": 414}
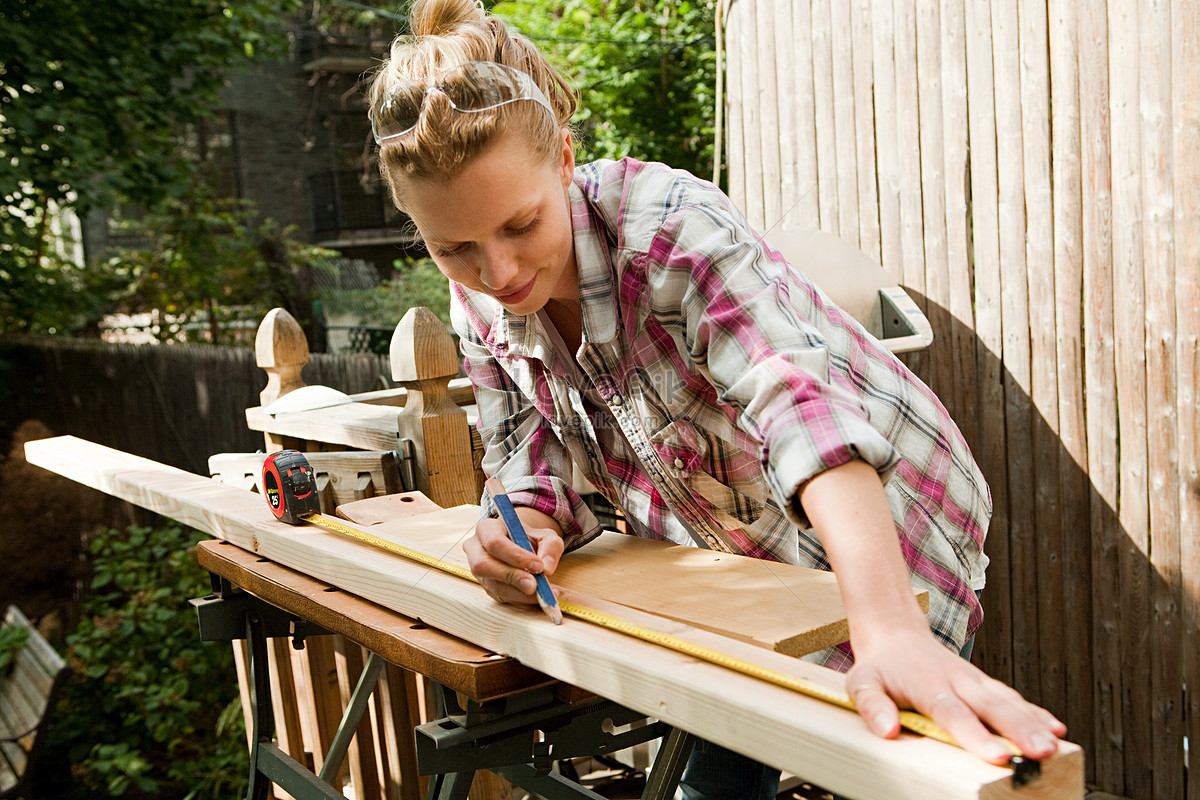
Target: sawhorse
{"x": 518, "y": 734}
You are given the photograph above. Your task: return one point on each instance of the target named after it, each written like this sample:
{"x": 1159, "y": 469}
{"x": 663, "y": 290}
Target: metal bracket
{"x": 522, "y": 743}
{"x": 406, "y": 462}
{"x": 222, "y": 616}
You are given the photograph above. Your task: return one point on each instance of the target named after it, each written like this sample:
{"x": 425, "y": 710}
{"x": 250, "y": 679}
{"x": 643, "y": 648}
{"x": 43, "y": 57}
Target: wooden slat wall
{"x": 1030, "y": 172}
{"x": 176, "y": 404}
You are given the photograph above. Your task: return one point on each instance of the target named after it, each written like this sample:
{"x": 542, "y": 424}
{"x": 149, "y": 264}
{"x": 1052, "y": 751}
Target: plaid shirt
{"x": 713, "y": 380}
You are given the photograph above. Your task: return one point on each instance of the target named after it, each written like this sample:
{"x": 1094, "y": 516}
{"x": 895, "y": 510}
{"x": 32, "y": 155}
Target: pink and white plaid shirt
{"x": 714, "y": 379}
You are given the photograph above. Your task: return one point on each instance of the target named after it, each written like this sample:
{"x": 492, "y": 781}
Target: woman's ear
{"x": 568, "y": 157}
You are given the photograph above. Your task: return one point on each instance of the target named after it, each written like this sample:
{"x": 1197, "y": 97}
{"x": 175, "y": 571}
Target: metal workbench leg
{"x": 450, "y": 785}
{"x": 261, "y": 714}
{"x": 668, "y": 766}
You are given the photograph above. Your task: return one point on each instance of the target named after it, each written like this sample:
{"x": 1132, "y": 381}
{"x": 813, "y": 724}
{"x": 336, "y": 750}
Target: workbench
{"x": 495, "y": 713}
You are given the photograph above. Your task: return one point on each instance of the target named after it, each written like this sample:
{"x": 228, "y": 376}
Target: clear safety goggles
{"x": 470, "y": 88}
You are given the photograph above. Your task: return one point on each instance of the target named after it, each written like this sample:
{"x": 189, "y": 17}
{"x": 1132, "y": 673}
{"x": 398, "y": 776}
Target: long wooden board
{"x": 808, "y": 737}
{"x": 790, "y": 609}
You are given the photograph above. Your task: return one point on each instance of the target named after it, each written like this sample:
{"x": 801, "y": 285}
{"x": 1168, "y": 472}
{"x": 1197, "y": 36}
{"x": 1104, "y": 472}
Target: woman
{"x": 622, "y": 319}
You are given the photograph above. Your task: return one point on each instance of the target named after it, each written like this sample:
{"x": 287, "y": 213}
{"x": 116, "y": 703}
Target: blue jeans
{"x": 715, "y": 773}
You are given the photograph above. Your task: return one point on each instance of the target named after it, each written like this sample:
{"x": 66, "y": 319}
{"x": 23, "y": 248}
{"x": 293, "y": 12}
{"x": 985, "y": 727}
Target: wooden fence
{"x": 176, "y": 404}
{"x": 1030, "y": 171}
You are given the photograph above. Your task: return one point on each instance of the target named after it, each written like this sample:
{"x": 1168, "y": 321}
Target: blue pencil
{"x": 545, "y": 595}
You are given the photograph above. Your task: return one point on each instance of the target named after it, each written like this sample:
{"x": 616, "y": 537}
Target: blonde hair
{"x": 445, "y": 34}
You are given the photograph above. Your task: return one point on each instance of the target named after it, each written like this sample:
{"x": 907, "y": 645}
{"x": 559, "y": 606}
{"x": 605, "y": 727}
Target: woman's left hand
{"x": 911, "y": 669}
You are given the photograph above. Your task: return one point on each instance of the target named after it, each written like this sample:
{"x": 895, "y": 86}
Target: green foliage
{"x": 93, "y": 97}
{"x": 148, "y": 711}
{"x": 416, "y": 283}
{"x": 645, "y": 71}
{"x": 12, "y": 639}
{"x": 210, "y": 261}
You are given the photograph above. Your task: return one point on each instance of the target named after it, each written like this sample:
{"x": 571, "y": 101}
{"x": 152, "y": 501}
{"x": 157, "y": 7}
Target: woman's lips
{"x": 517, "y": 295}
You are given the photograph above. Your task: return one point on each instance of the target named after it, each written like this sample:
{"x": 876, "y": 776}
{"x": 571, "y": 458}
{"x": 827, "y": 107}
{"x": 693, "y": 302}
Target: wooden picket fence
{"x": 177, "y": 404}
{"x": 1030, "y": 171}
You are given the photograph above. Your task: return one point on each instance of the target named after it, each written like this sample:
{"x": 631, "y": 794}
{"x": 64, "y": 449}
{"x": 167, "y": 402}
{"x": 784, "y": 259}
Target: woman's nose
{"x": 499, "y": 267}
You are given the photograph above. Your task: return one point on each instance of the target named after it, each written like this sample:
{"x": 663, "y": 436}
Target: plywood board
{"x": 790, "y": 609}
{"x": 808, "y": 737}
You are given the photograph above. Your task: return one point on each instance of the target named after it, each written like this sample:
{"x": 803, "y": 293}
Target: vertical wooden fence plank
{"x": 908, "y": 138}
{"x": 933, "y": 197}
{"x": 1185, "y": 119}
{"x": 827, "y": 165}
{"x": 806, "y": 212}
{"x": 1165, "y": 709}
{"x": 785, "y": 83}
{"x": 1046, "y": 528}
{"x": 884, "y": 63}
{"x": 752, "y": 112}
{"x": 1100, "y": 375}
{"x": 1068, "y": 290}
{"x": 996, "y": 648}
{"x": 864, "y": 129}
{"x": 1129, "y": 316}
{"x": 960, "y": 389}
{"x": 1014, "y": 306}
{"x": 841, "y": 46}
{"x": 769, "y": 120}
{"x": 735, "y": 100}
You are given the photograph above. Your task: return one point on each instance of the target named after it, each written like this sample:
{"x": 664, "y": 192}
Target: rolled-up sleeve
{"x": 748, "y": 328}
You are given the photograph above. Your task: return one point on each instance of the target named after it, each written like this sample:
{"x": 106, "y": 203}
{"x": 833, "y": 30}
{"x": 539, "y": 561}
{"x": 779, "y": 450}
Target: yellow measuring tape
{"x": 913, "y": 721}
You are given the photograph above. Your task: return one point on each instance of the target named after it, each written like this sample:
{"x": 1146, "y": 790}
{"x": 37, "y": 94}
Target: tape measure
{"x": 290, "y": 486}
{"x": 288, "y": 471}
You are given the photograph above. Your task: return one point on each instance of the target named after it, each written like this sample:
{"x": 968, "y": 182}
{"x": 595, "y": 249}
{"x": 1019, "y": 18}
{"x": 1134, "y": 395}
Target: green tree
{"x": 92, "y": 97}
{"x": 645, "y": 71}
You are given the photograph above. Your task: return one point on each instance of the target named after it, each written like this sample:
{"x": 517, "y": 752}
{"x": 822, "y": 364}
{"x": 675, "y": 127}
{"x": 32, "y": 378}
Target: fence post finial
{"x": 424, "y": 359}
{"x": 281, "y": 349}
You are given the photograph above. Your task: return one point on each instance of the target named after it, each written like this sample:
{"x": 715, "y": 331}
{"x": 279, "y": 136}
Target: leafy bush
{"x": 148, "y": 711}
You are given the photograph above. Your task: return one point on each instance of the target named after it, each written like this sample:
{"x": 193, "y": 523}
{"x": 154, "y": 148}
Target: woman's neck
{"x": 567, "y": 318}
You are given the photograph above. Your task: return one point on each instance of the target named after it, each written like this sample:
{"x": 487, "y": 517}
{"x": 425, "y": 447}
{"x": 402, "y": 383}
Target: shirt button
{"x": 617, "y": 400}
{"x": 679, "y": 463}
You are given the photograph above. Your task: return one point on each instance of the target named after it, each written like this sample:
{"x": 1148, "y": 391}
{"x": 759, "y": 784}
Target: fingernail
{"x": 1045, "y": 742}
{"x": 881, "y": 723}
{"x": 527, "y": 585}
{"x": 548, "y": 563}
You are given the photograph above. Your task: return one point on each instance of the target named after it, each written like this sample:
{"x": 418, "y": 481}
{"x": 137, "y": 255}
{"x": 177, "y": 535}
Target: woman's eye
{"x": 525, "y": 228}
{"x": 447, "y": 252}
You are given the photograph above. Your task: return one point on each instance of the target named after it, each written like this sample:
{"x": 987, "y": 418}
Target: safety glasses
{"x": 470, "y": 88}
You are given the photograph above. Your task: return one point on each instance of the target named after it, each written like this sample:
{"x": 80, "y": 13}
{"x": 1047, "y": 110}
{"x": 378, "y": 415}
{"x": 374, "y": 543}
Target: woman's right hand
{"x": 504, "y": 568}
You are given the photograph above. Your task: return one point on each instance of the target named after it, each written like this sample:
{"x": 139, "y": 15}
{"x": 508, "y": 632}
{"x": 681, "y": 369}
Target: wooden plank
{"x": 823, "y": 113}
{"x": 1074, "y": 491}
{"x": 1129, "y": 317}
{"x": 752, "y": 112}
{"x": 1158, "y": 264}
{"x": 995, "y": 639}
{"x": 806, "y": 213}
{"x": 1047, "y": 573}
{"x": 785, "y": 65}
{"x": 933, "y": 187}
{"x": 364, "y": 769}
{"x": 789, "y": 609}
{"x": 807, "y": 737}
{"x": 864, "y": 129}
{"x": 883, "y": 62}
{"x": 767, "y": 98}
{"x": 735, "y": 112}
{"x": 844, "y": 133}
{"x": 1014, "y": 313}
{"x": 1185, "y": 119}
{"x": 1100, "y": 369}
{"x": 960, "y": 391}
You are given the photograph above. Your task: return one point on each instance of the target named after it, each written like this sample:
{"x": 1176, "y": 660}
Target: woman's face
{"x": 502, "y": 226}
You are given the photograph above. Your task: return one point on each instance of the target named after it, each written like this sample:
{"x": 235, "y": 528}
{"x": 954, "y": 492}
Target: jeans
{"x": 715, "y": 773}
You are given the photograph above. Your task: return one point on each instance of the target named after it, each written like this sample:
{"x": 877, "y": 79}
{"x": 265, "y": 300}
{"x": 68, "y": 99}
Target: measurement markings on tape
{"x": 913, "y": 721}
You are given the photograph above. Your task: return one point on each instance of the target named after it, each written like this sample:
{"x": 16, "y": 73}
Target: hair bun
{"x": 443, "y": 17}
